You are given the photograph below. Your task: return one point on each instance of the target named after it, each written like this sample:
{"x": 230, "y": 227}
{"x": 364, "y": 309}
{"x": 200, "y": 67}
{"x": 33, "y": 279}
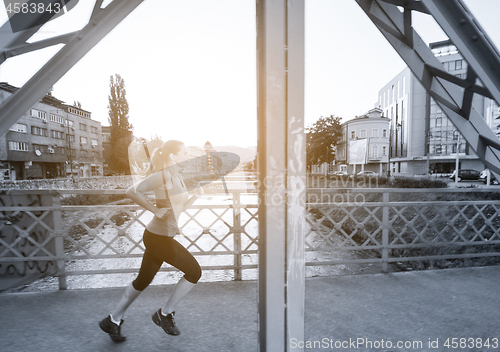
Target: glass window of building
{"x": 40, "y": 147}
{"x": 439, "y": 121}
{"x": 38, "y": 131}
{"x": 384, "y": 133}
{"x": 374, "y": 151}
{"x": 362, "y": 133}
{"x": 353, "y": 134}
{"x": 83, "y": 127}
{"x": 458, "y": 65}
{"x": 83, "y": 140}
{"x": 19, "y": 127}
{"x": 384, "y": 150}
{"x": 18, "y": 146}
{"x": 375, "y": 132}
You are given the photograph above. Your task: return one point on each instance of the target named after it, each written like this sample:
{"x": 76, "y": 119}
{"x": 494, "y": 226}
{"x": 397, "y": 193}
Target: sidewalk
{"x": 222, "y": 316}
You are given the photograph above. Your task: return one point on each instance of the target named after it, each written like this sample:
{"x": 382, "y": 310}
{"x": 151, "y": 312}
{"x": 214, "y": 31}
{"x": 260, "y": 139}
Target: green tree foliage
{"x": 121, "y": 129}
{"x": 322, "y": 138}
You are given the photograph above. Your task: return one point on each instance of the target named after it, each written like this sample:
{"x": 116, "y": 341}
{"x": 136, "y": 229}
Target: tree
{"x": 322, "y": 138}
{"x": 121, "y": 129}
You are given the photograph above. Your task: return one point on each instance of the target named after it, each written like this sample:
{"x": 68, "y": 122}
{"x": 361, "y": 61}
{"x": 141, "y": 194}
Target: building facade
{"x": 369, "y": 134}
{"x": 51, "y": 140}
{"x": 422, "y": 137}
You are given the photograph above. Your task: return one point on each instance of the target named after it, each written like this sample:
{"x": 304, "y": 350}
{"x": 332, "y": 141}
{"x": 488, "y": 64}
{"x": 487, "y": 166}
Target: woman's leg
{"x": 179, "y": 257}
{"x": 128, "y": 297}
{"x": 181, "y": 289}
{"x": 185, "y": 262}
{"x": 149, "y": 267}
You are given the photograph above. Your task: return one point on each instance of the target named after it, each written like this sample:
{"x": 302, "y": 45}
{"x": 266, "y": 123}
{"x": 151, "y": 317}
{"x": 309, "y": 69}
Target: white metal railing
{"x": 39, "y": 234}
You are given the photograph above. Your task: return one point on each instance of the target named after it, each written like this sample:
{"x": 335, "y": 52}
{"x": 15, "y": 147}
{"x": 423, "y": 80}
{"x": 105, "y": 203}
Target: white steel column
{"x": 281, "y": 167}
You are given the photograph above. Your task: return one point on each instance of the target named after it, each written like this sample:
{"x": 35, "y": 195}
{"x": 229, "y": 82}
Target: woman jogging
{"x": 171, "y": 200}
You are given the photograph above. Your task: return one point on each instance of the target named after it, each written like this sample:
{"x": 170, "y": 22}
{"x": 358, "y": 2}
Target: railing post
{"x": 237, "y": 235}
{"x": 59, "y": 239}
{"x": 385, "y": 231}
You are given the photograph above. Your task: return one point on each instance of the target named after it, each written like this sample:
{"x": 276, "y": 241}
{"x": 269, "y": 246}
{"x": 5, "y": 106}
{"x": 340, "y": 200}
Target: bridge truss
{"x": 280, "y": 112}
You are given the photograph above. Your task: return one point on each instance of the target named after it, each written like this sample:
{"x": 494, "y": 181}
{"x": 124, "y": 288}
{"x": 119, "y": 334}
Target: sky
{"x": 190, "y": 66}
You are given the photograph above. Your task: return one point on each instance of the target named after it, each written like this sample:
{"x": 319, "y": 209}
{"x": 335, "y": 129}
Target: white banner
{"x": 358, "y": 151}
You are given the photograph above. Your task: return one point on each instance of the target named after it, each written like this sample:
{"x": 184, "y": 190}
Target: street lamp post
{"x": 69, "y": 149}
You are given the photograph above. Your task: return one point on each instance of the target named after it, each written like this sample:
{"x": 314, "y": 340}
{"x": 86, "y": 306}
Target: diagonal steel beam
{"x": 470, "y": 39}
{"x": 100, "y": 24}
{"x": 452, "y": 99}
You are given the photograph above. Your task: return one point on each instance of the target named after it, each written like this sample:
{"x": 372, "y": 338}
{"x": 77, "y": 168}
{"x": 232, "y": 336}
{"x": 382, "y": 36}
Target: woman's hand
{"x": 161, "y": 213}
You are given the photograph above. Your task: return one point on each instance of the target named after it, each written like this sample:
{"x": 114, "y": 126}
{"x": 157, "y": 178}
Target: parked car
{"x": 339, "y": 174}
{"x": 364, "y": 174}
{"x": 466, "y": 174}
{"x": 484, "y": 177}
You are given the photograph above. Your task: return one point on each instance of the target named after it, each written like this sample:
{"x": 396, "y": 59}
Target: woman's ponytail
{"x": 160, "y": 155}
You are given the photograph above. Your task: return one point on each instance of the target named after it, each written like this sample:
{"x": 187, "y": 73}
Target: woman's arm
{"x": 137, "y": 193}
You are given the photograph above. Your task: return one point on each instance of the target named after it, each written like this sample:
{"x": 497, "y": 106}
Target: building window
{"x": 70, "y": 137}
{"x": 404, "y": 85}
{"x": 70, "y": 123}
{"x": 93, "y": 129}
{"x": 83, "y": 140}
{"x": 40, "y": 147}
{"x": 384, "y": 133}
{"x": 56, "y": 134}
{"x": 438, "y": 149}
{"x": 94, "y": 143}
{"x": 384, "y": 150}
{"x": 375, "y": 132}
{"x": 353, "y": 134}
{"x": 19, "y": 127}
{"x": 374, "y": 151}
{"x": 60, "y": 150}
{"x": 437, "y": 134}
{"x": 38, "y": 131}
{"x": 94, "y": 170}
{"x": 19, "y": 146}
{"x": 72, "y": 152}
{"x": 458, "y": 65}
{"x": 362, "y": 133}
{"x": 38, "y": 114}
{"x": 439, "y": 121}
{"x": 84, "y": 153}
{"x": 446, "y": 65}
{"x": 83, "y": 127}
{"x": 56, "y": 118}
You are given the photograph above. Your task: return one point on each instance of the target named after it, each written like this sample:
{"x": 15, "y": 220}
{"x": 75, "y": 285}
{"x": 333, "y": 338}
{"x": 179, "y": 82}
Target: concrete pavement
{"x": 426, "y": 306}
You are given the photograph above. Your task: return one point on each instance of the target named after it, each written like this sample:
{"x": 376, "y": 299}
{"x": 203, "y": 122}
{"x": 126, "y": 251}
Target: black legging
{"x": 161, "y": 249}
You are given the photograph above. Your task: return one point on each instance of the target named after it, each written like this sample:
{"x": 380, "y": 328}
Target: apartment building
{"x": 365, "y": 143}
{"x": 50, "y": 140}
